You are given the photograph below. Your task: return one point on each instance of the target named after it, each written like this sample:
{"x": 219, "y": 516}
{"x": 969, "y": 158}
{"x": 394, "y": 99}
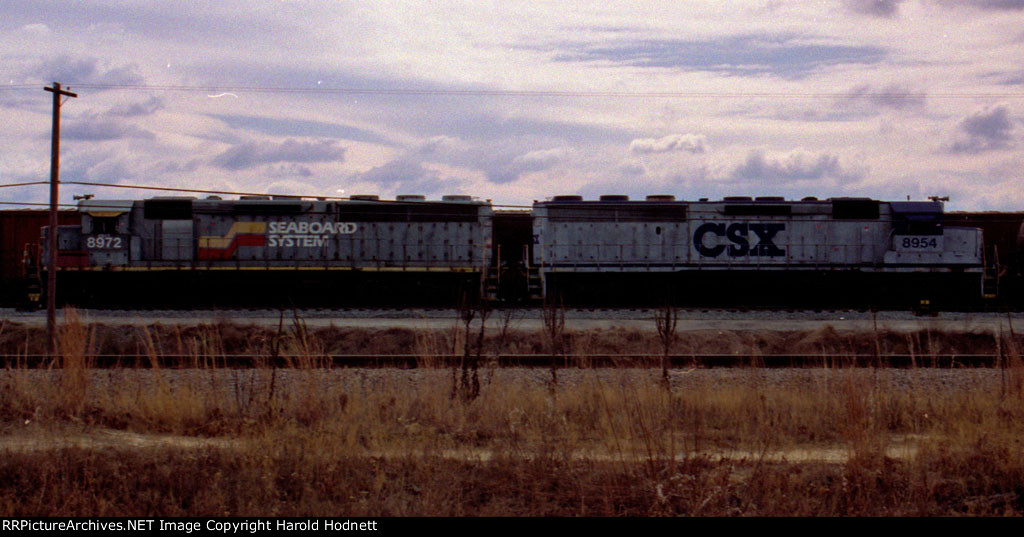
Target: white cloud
{"x": 877, "y": 8}
{"x": 690, "y": 143}
{"x": 87, "y": 70}
{"x": 795, "y": 165}
{"x": 542, "y": 157}
{"x": 251, "y": 154}
{"x": 997, "y": 5}
{"x": 893, "y": 95}
{"x": 532, "y": 161}
{"x": 37, "y": 29}
{"x": 142, "y": 108}
{"x": 101, "y": 128}
{"x": 984, "y": 130}
{"x": 631, "y": 167}
{"x": 441, "y": 144}
{"x": 405, "y": 175}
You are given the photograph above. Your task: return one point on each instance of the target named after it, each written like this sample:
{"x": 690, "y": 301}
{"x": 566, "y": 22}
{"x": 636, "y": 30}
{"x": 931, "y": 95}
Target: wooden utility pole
{"x": 51, "y": 259}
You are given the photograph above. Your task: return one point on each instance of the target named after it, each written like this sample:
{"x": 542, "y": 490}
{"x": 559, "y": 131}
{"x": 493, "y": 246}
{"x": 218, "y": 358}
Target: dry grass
{"x": 204, "y": 340}
{"x": 311, "y": 440}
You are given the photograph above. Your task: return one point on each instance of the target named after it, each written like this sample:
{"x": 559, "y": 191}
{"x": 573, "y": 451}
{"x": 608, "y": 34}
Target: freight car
{"x": 1004, "y": 254}
{"x": 19, "y": 249}
{"x": 736, "y": 252}
{"x": 280, "y": 251}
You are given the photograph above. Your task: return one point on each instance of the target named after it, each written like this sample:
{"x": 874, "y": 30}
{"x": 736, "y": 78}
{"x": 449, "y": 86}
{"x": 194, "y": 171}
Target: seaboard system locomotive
{"x": 263, "y": 251}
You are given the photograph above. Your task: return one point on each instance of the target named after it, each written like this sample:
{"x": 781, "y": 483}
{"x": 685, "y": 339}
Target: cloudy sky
{"x": 519, "y": 101}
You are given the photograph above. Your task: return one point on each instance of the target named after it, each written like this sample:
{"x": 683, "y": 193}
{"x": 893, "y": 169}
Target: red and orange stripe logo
{"x": 240, "y": 234}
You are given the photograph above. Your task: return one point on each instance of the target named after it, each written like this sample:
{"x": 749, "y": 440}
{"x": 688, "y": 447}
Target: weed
{"x": 198, "y": 438}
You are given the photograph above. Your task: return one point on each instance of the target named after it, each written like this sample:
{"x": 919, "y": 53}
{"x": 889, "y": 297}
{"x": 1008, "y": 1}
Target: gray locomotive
{"x": 274, "y": 251}
{"x": 740, "y": 251}
{"x": 736, "y": 252}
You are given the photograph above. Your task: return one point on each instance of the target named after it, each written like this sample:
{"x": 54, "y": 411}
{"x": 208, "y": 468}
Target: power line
{"x": 226, "y": 193}
{"x": 36, "y": 204}
{"x": 234, "y": 193}
{"x": 281, "y": 197}
{"x": 25, "y": 184}
{"x": 198, "y": 191}
{"x": 396, "y": 208}
{"x": 534, "y": 93}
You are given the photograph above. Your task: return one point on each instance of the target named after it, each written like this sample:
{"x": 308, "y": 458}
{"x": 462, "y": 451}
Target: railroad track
{"x": 675, "y": 361}
{"x": 515, "y": 312}
{"x": 533, "y": 319}
{"x": 498, "y": 315}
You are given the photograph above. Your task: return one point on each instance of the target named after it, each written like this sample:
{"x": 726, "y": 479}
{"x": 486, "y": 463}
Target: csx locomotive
{"x": 739, "y": 251}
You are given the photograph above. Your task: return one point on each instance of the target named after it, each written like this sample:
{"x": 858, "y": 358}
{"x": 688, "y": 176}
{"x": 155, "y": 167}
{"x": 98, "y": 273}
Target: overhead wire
{"x": 8, "y": 185}
{"x": 235, "y": 193}
{"x": 195, "y": 190}
{"x": 297, "y": 197}
{"x": 279, "y": 197}
{"x": 528, "y": 93}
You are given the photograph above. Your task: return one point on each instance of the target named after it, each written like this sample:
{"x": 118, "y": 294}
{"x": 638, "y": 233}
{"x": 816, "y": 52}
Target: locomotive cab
{"x": 919, "y": 237}
{"x": 106, "y": 232}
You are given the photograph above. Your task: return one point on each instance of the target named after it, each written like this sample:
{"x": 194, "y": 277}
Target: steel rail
{"x": 416, "y": 360}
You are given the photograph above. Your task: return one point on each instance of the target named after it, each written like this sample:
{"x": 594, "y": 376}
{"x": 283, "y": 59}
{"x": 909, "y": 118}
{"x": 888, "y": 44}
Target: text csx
{"x": 739, "y": 235}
